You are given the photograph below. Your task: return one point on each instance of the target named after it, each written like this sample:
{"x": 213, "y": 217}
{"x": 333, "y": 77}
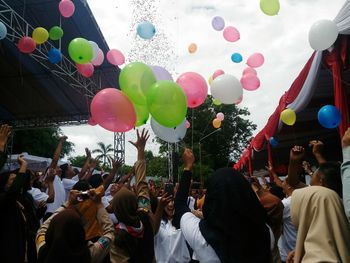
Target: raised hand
{"x": 317, "y": 147}
{"x": 50, "y": 175}
{"x": 88, "y": 153}
{"x": 269, "y": 168}
{"x": 188, "y": 159}
{"x": 141, "y": 143}
{"x": 63, "y": 139}
{"x": 346, "y": 138}
{"x": 164, "y": 200}
{"x": 5, "y": 132}
{"x": 118, "y": 162}
{"x": 297, "y": 154}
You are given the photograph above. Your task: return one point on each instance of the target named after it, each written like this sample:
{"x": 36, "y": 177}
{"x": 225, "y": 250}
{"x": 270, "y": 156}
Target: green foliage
{"x": 40, "y": 142}
{"x": 105, "y": 155}
{"x": 77, "y": 161}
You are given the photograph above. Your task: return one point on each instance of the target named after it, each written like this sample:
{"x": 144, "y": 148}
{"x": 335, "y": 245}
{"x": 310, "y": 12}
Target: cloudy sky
{"x": 282, "y": 39}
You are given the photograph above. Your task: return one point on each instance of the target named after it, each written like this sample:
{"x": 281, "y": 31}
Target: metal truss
{"x": 119, "y": 145}
{"x": 18, "y": 27}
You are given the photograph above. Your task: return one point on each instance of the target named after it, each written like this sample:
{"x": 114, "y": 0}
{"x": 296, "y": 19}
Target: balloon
{"x": 323, "y": 34}
{"x": 270, "y": 7}
{"x": 80, "y": 50}
{"x": 239, "y": 100}
{"x": 171, "y": 135}
{"x": 95, "y": 50}
{"x": 195, "y": 88}
{"x": 329, "y": 116}
{"x": 166, "y": 102}
{"x": 236, "y": 57}
{"x": 217, "y": 73}
{"x": 216, "y": 123}
{"x": 192, "y": 48}
{"x": 135, "y": 80}
{"x": 115, "y": 57}
{"x": 255, "y": 60}
{"x": 142, "y": 115}
{"x": 99, "y": 59}
{"x": 188, "y": 124}
{"x": 3, "y": 30}
{"x": 216, "y": 102}
{"x": 112, "y": 110}
{"x": 92, "y": 122}
{"x": 86, "y": 70}
{"x": 146, "y": 30}
{"x": 220, "y": 116}
{"x": 288, "y": 117}
{"x": 250, "y": 82}
{"x": 210, "y": 80}
{"x": 226, "y": 88}
{"x": 231, "y": 34}
{"x": 161, "y": 73}
{"x": 249, "y": 70}
{"x": 26, "y": 45}
{"x": 55, "y": 33}
{"x": 273, "y": 142}
{"x": 40, "y": 35}
{"x": 218, "y": 23}
{"x": 54, "y": 55}
{"x": 66, "y": 8}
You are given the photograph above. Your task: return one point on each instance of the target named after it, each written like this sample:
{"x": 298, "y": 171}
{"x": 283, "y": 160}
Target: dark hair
{"x": 64, "y": 168}
{"x": 82, "y": 186}
{"x": 95, "y": 180}
{"x": 277, "y": 191}
{"x": 330, "y": 172}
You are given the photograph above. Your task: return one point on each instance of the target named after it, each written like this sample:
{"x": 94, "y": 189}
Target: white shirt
{"x": 68, "y": 185}
{"x": 170, "y": 245}
{"x": 60, "y": 195}
{"x": 38, "y": 196}
{"x": 289, "y": 234}
{"x": 190, "y": 202}
{"x": 202, "y": 251}
{"x": 106, "y": 202}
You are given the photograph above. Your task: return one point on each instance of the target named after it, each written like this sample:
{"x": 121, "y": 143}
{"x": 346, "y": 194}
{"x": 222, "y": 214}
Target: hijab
{"x": 323, "y": 230}
{"x": 125, "y": 207}
{"x": 234, "y": 221}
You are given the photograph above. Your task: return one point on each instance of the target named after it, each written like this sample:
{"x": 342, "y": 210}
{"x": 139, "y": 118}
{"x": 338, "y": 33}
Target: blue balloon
{"x": 3, "y": 31}
{"x": 329, "y": 116}
{"x": 54, "y": 55}
{"x": 236, "y": 57}
{"x": 146, "y": 30}
{"x": 273, "y": 142}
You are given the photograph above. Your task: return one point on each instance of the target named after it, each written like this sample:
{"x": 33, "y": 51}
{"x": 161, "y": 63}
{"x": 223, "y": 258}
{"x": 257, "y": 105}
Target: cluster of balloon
{"x": 142, "y": 114}
{"x": 236, "y": 57}
{"x": 288, "y": 117}
{"x": 171, "y": 135}
{"x": 54, "y": 55}
{"x": 273, "y": 142}
{"x": 146, "y": 30}
{"x": 40, "y": 35}
{"x": 161, "y": 73}
{"x": 80, "y": 50}
{"x": 195, "y": 88}
{"x": 270, "y": 7}
{"x": 250, "y": 80}
{"x": 66, "y": 8}
{"x": 188, "y": 124}
{"x": 3, "y": 30}
{"x": 323, "y": 34}
{"x": 86, "y": 70}
{"x": 218, "y": 23}
{"x": 55, "y": 33}
{"x": 95, "y": 49}
{"x": 329, "y": 116}
{"x": 192, "y": 48}
{"x": 26, "y": 45}
{"x": 115, "y": 57}
{"x": 99, "y": 59}
{"x": 231, "y": 34}
{"x": 226, "y": 88}
{"x": 217, "y": 121}
{"x": 112, "y": 110}
{"x": 217, "y": 73}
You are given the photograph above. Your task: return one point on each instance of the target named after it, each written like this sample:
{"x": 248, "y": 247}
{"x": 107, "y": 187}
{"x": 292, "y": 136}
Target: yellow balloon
{"x": 216, "y": 102}
{"x": 288, "y": 117}
{"x": 270, "y": 7}
{"x": 192, "y": 48}
{"x": 216, "y": 123}
{"x": 210, "y": 80}
{"x": 40, "y": 35}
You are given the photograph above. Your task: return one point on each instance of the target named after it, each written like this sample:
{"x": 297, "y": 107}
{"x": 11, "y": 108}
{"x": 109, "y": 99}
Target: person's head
{"x": 82, "y": 185}
{"x": 124, "y": 205}
{"x": 95, "y": 180}
{"x": 67, "y": 171}
{"x": 6, "y": 180}
{"x": 169, "y": 210}
{"x": 115, "y": 188}
{"x": 328, "y": 175}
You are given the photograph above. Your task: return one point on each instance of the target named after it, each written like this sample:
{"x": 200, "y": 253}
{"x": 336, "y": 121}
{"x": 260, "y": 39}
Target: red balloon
{"x": 92, "y": 122}
{"x": 66, "y": 8}
{"x": 250, "y": 82}
{"x": 26, "y": 45}
{"x": 115, "y": 57}
{"x": 113, "y": 110}
{"x": 86, "y": 70}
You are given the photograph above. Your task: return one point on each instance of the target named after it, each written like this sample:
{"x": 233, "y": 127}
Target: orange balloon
{"x": 192, "y": 48}
{"x": 216, "y": 123}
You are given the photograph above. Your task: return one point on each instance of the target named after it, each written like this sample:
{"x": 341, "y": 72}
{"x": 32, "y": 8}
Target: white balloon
{"x": 95, "y": 50}
{"x": 323, "y": 34}
{"x": 171, "y": 135}
{"x": 3, "y": 31}
{"x": 226, "y": 88}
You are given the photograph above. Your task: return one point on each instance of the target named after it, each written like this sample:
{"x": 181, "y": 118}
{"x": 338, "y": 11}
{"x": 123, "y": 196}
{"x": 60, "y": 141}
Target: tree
{"x": 40, "y": 142}
{"x": 104, "y": 153}
{"x": 77, "y": 161}
{"x": 156, "y": 165}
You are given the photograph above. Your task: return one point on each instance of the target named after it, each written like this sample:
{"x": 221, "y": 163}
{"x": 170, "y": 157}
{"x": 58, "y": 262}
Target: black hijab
{"x": 234, "y": 220}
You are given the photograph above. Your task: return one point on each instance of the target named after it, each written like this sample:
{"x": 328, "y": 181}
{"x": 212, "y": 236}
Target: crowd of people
{"x": 65, "y": 215}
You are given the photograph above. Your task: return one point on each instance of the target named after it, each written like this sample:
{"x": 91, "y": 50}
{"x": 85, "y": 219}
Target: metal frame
{"x": 119, "y": 145}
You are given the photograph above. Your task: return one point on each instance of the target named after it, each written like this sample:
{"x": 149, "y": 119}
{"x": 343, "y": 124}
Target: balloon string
{"x": 192, "y": 125}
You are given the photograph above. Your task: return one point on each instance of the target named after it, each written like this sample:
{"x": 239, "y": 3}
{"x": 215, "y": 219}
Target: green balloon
{"x": 142, "y": 114}
{"x": 216, "y": 102}
{"x": 135, "y": 80}
{"x": 270, "y": 7}
{"x": 80, "y": 50}
{"x": 55, "y": 33}
{"x": 167, "y": 103}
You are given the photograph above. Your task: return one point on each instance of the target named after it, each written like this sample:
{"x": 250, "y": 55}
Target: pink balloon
{"x": 187, "y": 124}
{"x": 220, "y": 116}
{"x": 195, "y": 88}
{"x": 26, "y": 45}
{"x": 99, "y": 59}
{"x": 255, "y": 60}
{"x": 92, "y": 122}
{"x": 231, "y": 34}
{"x": 217, "y": 73}
{"x": 86, "y": 70}
{"x": 250, "y": 82}
{"x": 239, "y": 100}
{"x": 66, "y": 8}
{"x": 249, "y": 70}
{"x": 115, "y": 57}
{"x": 112, "y": 110}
